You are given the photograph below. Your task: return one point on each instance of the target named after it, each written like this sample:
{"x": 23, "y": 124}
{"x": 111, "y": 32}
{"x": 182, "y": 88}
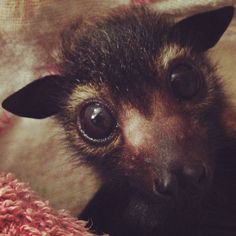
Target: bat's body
{"x": 139, "y": 100}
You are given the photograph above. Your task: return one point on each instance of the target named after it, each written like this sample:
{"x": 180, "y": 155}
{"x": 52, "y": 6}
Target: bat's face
{"x": 156, "y": 130}
{"x": 152, "y": 125}
{"x": 139, "y": 100}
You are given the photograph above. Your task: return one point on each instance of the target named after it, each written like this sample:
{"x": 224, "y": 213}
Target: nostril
{"x": 167, "y": 186}
{"x": 195, "y": 174}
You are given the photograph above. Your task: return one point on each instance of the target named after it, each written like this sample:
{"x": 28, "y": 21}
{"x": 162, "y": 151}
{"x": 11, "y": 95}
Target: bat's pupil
{"x": 185, "y": 82}
{"x": 96, "y": 121}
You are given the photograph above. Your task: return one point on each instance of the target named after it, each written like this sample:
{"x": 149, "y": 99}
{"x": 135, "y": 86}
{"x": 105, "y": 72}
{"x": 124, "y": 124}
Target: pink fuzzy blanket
{"x": 23, "y": 213}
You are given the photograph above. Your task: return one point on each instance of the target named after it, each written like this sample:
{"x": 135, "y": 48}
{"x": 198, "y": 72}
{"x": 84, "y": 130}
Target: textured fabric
{"x": 23, "y": 213}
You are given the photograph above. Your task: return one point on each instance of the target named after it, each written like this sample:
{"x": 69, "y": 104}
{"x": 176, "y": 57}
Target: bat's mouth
{"x": 183, "y": 214}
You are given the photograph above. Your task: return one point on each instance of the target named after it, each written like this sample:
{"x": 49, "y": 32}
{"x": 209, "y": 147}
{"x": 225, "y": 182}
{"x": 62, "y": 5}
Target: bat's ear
{"x": 39, "y": 99}
{"x": 205, "y": 29}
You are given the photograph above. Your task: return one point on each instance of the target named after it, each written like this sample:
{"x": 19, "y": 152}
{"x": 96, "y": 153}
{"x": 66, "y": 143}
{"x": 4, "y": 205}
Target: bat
{"x": 140, "y": 101}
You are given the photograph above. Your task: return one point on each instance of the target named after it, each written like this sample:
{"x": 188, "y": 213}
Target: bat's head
{"x": 139, "y": 99}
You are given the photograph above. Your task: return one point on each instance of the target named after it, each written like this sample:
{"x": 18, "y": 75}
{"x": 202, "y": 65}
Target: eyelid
{"x": 182, "y": 60}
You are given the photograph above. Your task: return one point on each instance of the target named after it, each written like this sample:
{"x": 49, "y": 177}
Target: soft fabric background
{"x": 29, "y": 32}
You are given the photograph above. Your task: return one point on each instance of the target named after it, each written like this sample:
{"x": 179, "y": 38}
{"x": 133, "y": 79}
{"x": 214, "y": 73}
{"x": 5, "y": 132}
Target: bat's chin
{"x": 166, "y": 215}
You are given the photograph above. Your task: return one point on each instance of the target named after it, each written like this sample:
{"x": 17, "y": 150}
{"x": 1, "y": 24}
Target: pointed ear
{"x": 39, "y": 99}
{"x": 204, "y": 30}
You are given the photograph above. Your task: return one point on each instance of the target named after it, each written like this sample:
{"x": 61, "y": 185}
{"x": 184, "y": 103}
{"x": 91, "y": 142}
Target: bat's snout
{"x": 174, "y": 152}
{"x": 192, "y": 178}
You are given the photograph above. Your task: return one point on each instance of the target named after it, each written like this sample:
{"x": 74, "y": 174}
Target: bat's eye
{"x": 185, "y": 81}
{"x": 96, "y": 122}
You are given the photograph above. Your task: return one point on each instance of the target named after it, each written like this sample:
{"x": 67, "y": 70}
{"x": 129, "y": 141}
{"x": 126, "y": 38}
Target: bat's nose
{"x": 190, "y": 178}
{"x": 166, "y": 186}
{"x": 195, "y": 174}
